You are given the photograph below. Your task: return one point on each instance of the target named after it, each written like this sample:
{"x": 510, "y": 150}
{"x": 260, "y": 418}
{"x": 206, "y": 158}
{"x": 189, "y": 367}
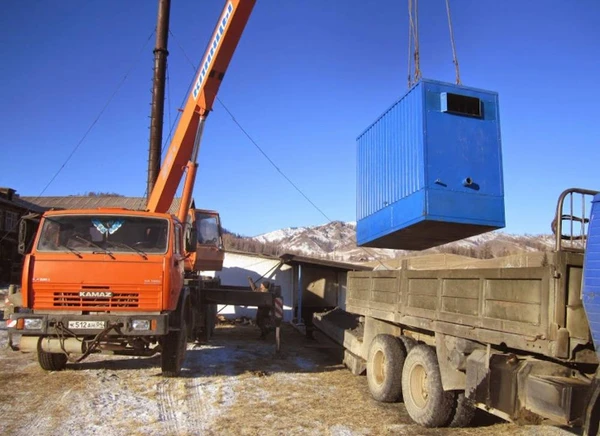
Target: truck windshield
{"x": 113, "y": 233}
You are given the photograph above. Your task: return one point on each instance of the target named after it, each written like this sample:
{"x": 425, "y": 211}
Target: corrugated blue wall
{"x": 390, "y": 163}
{"x": 591, "y": 274}
{"x": 427, "y": 175}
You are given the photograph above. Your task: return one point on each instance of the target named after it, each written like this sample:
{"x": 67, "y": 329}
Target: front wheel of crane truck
{"x": 174, "y": 346}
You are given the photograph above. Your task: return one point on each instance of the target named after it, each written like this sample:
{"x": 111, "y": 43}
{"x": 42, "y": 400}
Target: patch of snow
{"x": 342, "y": 430}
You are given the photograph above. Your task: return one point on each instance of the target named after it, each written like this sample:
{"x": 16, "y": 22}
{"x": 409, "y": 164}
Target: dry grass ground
{"x": 235, "y": 386}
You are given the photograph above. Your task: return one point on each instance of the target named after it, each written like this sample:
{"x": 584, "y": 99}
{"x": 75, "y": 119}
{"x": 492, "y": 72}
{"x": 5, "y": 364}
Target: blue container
{"x": 429, "y": 170}
{"x": 591, "y": 274}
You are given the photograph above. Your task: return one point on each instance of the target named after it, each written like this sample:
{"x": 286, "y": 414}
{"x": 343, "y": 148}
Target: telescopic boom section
{"x": 184, "y": 146}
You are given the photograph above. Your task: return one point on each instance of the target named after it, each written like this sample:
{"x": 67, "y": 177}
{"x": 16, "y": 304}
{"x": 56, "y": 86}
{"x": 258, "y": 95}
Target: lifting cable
{"x": 413, "y": 38}
{"x": 413, "y": 43}
{"x": 269, "y": 159}
{"x": 120, "y": 84}
{"x": 454, "y": 56}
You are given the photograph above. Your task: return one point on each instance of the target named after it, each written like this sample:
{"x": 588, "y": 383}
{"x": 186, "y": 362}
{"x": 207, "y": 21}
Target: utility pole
{"x": 158, "y": 92}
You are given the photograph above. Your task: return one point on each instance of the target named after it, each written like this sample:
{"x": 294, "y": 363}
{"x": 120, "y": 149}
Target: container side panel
{"x": 591, "y": 274}
{"x": 461, "y": 147}
{"x": 380, "y": 223}
{"x": 390, "y": 156}
{"x": 464, "y": 208}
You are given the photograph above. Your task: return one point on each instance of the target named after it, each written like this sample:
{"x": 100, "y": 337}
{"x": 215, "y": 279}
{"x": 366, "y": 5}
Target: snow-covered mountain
{"x": 317, "y": 241}
{"x": 337, "y": 240}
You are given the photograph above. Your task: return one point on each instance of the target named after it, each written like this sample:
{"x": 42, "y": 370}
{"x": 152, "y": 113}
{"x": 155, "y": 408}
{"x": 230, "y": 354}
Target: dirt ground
{"x": 235, "y": 386}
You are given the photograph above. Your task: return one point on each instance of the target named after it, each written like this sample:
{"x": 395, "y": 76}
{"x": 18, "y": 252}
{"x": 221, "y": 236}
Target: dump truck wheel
{"x": 174, "y": 346}
{"x": 426, "y": 401}
{"x": 384, "y": 368}
{"x": 51, "y": 361}
{"x": 464, "y": 412}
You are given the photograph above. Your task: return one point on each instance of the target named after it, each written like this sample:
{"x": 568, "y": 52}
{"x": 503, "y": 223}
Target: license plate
{"x": 86, "y": 325}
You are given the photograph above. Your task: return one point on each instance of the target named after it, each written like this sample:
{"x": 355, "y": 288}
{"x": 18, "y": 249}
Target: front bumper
{"x": 74, "y": 325}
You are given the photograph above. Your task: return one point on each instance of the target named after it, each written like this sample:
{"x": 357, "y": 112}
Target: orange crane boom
{"x": 185, "y": 145}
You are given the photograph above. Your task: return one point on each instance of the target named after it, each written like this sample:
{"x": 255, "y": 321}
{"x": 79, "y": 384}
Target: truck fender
{"x": 452, "y": 378}
{"x": 374, "y": 327}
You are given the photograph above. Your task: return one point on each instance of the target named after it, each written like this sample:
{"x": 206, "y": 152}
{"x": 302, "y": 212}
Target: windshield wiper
{"x": 123, "y": 245}
{"x": 93, "y": 244}
{"x": 72, "y": 250}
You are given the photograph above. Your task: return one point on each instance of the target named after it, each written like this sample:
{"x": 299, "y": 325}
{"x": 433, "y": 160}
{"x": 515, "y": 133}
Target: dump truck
{"x": 520, "y": 343}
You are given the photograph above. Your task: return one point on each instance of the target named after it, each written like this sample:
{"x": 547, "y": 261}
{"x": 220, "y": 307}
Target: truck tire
{"x": 205, "y": 323}
{"x": 174, "y": 346}
{"x": 409, "y": 343}
{"x": 384, "y": 368}
{"x": 464, "y": 412}
{"x": 51, "y": 361}
{"x": 424, "y": 398}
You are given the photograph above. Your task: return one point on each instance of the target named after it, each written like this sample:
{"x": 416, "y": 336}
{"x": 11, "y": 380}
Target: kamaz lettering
{"x": 213, "y": 48}
{"x": 95, "y": 294}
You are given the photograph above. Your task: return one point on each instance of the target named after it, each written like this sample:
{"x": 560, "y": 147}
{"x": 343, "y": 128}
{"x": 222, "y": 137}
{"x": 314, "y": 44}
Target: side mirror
{"x": 27, "y": 229}
{"x": 191, "y": 240}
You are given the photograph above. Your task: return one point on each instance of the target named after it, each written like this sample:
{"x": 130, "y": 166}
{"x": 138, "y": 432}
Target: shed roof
{"x": 22, "y": 204}
{"x": 94, "y": 202}
{"x": 305, "y": 260}
{"x": 295, "y": 259}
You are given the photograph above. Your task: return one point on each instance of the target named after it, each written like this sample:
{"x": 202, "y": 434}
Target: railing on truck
{"x": 572, "y": 216}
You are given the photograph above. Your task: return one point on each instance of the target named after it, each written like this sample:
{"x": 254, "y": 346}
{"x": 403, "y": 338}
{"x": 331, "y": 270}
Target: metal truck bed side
{"x": 523, "y": 308}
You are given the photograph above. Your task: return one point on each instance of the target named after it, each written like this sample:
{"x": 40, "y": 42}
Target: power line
{"x": 87, "y": 132}
{"x": 266, "y": 156}
{"x": 97, "y": 117}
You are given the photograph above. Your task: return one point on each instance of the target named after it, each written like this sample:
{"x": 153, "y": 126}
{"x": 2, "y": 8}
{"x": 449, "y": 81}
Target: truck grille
{"x": 118, "y": 300}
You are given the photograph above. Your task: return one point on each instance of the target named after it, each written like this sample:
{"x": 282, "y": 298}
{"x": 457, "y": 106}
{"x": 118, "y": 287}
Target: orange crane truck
{"x": 126, "y": 282}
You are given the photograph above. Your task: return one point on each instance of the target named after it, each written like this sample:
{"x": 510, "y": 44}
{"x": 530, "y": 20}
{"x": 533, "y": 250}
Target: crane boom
{"x": 185, "y": 144}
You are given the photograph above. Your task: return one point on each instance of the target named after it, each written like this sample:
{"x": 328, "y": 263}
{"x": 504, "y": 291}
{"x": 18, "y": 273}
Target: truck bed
{"x": 534, "y": 309}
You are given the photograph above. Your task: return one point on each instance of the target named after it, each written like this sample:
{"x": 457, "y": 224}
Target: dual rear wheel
{"x": 398, "y": 368}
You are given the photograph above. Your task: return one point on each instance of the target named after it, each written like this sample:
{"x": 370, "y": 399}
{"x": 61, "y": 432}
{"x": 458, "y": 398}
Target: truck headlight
{"x": 140, "y": 324}
{"x": 33, "y": 323}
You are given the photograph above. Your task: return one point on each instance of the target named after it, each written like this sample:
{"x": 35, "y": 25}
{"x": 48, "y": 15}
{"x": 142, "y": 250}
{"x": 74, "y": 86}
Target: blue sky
{"x": 308, "y": 76}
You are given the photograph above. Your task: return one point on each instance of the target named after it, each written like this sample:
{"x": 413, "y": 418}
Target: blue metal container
{"x": 591, "y": 274}
{"x": 429, "y": 170}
